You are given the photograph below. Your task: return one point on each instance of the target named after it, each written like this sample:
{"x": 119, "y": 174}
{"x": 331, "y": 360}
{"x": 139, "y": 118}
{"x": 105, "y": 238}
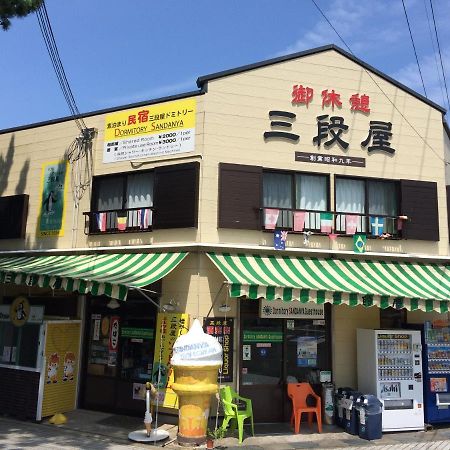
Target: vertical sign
{"x": 168, "y": 328}
{"x": 53, "y": 190}
{"x": 222, "y": 328}
{"x": 113, "y": 341}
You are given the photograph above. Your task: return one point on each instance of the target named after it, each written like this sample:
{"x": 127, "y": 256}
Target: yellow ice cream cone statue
{"x": 196, "y": 361}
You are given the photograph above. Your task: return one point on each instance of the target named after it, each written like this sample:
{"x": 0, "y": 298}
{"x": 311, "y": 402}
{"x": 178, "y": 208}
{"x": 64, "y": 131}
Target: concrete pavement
{"x": 93, "y": 430}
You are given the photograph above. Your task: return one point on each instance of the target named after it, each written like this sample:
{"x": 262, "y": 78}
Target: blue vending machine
{"x": 436, "y": 361}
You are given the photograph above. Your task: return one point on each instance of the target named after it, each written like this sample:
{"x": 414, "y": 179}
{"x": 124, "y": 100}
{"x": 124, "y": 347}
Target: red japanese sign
{"x": 114, "y": 333}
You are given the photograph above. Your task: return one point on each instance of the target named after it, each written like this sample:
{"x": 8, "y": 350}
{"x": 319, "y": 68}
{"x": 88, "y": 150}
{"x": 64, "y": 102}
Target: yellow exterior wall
{"x": 345, "y": 321}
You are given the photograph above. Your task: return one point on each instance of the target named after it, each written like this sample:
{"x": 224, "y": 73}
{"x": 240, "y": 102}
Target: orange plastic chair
{"x": 298, "y": 393}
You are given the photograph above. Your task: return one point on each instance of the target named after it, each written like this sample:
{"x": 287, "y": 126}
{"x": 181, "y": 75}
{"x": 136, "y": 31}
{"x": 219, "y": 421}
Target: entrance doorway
{"x": 277, "y": 351}
{"x": 119, "y": 350}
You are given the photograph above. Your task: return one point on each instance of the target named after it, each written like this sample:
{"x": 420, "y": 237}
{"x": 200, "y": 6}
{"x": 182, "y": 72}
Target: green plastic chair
{"x": 229, "y": 399}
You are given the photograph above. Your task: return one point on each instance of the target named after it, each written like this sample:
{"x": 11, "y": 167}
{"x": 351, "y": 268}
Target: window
{"x": 13, "y": 211}
{"x": 128, "y": 196}
{"x": 295, "y": 191}
{"x": 166, "y": 197}
{"x": 366, "y": 198}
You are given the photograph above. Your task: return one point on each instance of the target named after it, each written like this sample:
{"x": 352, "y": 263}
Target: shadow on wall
{"x": 6, "y": 162}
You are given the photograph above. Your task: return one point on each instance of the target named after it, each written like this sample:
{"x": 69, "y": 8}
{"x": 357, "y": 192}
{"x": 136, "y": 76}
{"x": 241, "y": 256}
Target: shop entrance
{"x": 118, "y": 354}
{"x": 276, "y": 351}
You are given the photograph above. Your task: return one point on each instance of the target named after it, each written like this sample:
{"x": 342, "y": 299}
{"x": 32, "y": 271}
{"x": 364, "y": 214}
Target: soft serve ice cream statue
{"x": 196, "y": 359}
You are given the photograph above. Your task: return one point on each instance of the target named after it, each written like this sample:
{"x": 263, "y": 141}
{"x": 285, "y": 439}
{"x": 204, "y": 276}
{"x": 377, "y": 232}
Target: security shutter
{"x": 13, "y": 213}
{"x": 420, "y": 204}
{"x": 240, "y": 190}
{"x": 176, "y": 196}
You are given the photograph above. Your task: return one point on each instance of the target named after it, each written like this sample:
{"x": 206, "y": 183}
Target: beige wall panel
{"x": 345, "y": 321}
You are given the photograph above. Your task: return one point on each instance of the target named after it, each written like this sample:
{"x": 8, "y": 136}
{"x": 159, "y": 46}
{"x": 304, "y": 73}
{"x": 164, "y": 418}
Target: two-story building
{"x": 302, "y": 197}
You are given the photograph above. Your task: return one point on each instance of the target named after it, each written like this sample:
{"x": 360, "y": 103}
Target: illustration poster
{"x": 53, "y": 190}
{"x": 438, "y": 384}
{"x": 222, "y": 329}
{"x": 168, "y": 327}
{"x": 306, "y": 351}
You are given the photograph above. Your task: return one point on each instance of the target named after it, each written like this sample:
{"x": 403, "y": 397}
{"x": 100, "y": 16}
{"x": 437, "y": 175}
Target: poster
{"x": 222, "y": 329}
{"x": 54, "y": 180}
{"x": 306, "y": 351}
{"x": 246, "y": 352}
{"x": 139, "y": 391}
{"x": 168, "y": 327}
{"x": 438, "y": 384}
{"x": 155, "y": 130}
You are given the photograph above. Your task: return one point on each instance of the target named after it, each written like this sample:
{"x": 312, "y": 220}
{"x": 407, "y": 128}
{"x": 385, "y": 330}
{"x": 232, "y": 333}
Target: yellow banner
{"x": 168, "y": 328}
{"x": 150, "y": 119}
{"x": 62, "y": 353}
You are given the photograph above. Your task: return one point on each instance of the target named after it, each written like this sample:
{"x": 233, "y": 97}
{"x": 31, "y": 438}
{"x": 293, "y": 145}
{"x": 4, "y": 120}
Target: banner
{"x": 168, "y": 328}
{"x": 53, "y": 198}
{"x": 222, "y": 329}
{"x": 157, "y": 130}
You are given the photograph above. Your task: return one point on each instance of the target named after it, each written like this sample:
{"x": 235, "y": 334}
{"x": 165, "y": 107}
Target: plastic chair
{"x": 298, "y": 393}
{"x": 232, "y": 412}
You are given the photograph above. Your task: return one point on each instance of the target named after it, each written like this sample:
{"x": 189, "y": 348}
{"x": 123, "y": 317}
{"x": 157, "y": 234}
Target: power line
{"x": 440, "y": 54}
{"x": 381, "y": 89}
{"x": 438, "y": 72}
{"x": 414, "y": 47}
{"x": 52, "y": 49}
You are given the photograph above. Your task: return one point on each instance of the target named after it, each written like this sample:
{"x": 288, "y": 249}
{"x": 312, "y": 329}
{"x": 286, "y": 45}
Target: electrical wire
{"x": 439, "y": 74}
{"x": 52, "y": 49}
{"x": 414, "y": 48}
{"x": 381, "y": 89}
{"x": 439, "y": 50}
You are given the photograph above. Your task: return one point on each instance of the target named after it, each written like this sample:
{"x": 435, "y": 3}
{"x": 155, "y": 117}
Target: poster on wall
{"x": 156, "y": 130}
{"x": 306, "y": 351}
{"x": 222, "y": 329}
{"x": 54, "y": 179}
{"x": 168, "y": 328}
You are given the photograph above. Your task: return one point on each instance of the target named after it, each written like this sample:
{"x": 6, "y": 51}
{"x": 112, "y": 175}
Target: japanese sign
{"x": 140, "y": 333}
{"x": 113, "y": 343}
{"x": 157, "y": 130}
{"x": 262, "y": 336}
{"x": 168, "y": 328}
{"x": 325, "y": 158}
{"x": 290, "y": 310}
{"x": 222, "y": 328}
{"x": 331, "y": 128}
{"x": 53, "y": 189}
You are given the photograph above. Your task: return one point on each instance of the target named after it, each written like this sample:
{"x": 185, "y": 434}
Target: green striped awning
{"x": 107, "y": 274}
{"x": 352, "y": 282}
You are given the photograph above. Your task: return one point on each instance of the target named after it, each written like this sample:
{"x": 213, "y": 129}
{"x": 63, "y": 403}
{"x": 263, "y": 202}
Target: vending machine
{"x": 390, "y": 367}
{"x": 436, "y": 364}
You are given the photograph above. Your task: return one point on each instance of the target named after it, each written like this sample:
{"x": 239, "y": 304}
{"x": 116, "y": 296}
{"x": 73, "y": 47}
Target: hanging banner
{"x": 222, "y": 329}
{"x": 53, "y": 198}
{"x": 62, "y": 355}
{"x": 279, "y": 309}
{"x": 157, "y": 130}
{"x": 168, "y": 328}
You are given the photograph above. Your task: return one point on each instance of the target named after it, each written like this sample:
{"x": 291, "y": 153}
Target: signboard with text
{"x": 279, "y": 309}
{"x": 222, "y": 328}
{"x": 156, "y": 130}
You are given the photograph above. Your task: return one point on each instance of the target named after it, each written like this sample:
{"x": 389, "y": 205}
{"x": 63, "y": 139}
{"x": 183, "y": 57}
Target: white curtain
{"x": 383, "y": 201}
{"x": 139, "y": 195}
{"x": 350, "y": 198}
{"x": 277, "y": 193}
{"x": 110, "y": 197}
{"x": 311, "y": 194}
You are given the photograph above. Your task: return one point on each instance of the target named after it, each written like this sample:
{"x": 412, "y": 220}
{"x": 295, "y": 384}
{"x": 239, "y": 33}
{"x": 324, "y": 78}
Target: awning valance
{"x": 352, "y": 282}
{"x": 106, "y": 274}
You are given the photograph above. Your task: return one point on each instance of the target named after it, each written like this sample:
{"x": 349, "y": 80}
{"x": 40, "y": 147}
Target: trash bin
{"x": 350, "y": 421}
{"x": 328, "y": 403}
{"x": 338, "y": 405}
{"x": 369, "y": 417}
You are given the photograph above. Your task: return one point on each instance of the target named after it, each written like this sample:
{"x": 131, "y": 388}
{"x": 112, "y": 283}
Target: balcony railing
{"x": 296, "y": 220}
{"x": 131, "y": 220}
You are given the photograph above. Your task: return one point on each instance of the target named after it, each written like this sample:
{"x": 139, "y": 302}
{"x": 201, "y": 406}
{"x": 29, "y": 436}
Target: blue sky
{"x": 115, "y": 52}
